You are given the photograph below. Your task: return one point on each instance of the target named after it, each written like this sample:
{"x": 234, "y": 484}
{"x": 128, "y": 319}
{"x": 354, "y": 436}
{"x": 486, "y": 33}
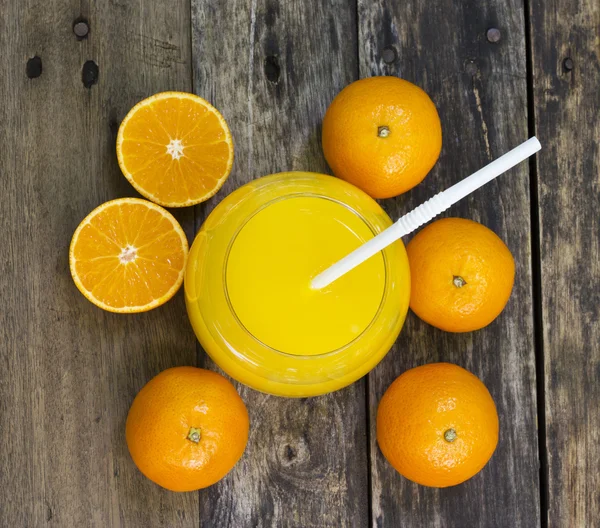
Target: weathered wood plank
{"x": 566, "y": 74}
{"x": 21, "y": 475}
{"x": 481, "y": 93}
{"x": 272, "y": 68}
{"x": 70, "y": 370}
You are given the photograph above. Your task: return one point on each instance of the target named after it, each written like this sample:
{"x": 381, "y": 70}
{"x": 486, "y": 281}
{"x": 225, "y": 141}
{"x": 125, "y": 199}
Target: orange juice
{"x": 248, "y": 285}
{"x": 272, "y": 260}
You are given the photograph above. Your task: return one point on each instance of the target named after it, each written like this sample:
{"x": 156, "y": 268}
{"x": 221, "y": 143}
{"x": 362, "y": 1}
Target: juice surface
{"x": 272, "y": 260}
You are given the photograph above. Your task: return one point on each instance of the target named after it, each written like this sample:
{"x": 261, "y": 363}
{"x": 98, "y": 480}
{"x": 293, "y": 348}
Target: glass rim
{"x": 236, "y": 350}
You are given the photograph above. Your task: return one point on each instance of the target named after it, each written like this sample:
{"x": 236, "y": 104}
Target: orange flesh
{"x": 175, "y": 149}
{"x": 128, "y": 255}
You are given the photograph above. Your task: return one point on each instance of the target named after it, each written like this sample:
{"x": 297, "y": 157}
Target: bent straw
{"x": 426, "y": 211}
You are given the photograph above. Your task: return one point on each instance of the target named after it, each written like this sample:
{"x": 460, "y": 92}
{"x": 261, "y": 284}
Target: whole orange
{"x": 382, "y": 134}
{"x": 187, "y": 428}
{"x": 437, "y": 425}
{"x": 462, "y": 274}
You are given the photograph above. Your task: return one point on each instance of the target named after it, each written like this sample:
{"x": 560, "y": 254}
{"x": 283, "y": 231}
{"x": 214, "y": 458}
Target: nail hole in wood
{"x": 272, "y": 69}
{"x": 81, "y": 28}
{"x": 471, "y": 68}
{"x": 34, "y": 67}
{"x": 568, "y": 64}
{"x": 389, "y": 55}
{"x": 89, "y": 74}
{"x": 493, "y": 35}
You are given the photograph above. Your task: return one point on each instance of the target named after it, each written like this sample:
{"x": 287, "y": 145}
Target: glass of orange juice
{"x": 247, "y": 285}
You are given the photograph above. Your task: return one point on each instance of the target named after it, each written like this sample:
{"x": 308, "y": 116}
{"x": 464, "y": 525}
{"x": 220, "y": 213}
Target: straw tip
{"x": 319, "y": 283}
{"x": 535, "y": 141}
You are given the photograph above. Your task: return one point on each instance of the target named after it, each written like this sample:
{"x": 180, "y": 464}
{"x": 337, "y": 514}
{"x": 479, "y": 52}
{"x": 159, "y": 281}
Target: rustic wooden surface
{"x": 481, "y": 94}
{"x": 566, "y": 74}
{"x": 273, "y": 67}
{"x": 70, "y": 371}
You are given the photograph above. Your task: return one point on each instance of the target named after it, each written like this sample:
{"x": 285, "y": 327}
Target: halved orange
{"x": 128, "y": 255}
{"x": 175, "y": 148}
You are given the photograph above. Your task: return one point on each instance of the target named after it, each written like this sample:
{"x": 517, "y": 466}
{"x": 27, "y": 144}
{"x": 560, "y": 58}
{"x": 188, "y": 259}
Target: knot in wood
{"x": 89, "y": 74}
{"x": 272, "y": 69}
{"x": 34, "y": 67}
{"x": 293, "y": 452}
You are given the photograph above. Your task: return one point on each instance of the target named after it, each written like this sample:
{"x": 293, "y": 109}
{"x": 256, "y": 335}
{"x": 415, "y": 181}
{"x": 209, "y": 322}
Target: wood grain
{"x": 566, "y": 73}
{"x": 272, "y": 69}
{"x": 481, "y": 94}
{"x": 69, "y": 370}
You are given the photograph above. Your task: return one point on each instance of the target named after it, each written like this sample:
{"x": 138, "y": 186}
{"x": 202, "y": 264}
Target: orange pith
{"x": 187, "y": 428}
{"x": 461, "y": 274}
{"x": 128, "y": 255}
{"x": 382, "y": 134}
{"x": 437, "y": 425}
{"x": 175, "y": 148}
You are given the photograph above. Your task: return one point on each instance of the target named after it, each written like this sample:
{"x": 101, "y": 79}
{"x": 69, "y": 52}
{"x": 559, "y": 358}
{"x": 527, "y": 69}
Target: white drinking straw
{"x": 426, "y": 211}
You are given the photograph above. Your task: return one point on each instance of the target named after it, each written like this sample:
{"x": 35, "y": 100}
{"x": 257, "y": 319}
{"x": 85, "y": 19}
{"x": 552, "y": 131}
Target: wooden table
{"x": 499, "y": 72}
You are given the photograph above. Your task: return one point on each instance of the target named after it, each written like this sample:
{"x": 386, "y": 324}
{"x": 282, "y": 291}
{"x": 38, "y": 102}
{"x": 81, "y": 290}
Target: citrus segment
{"x": 128, "y": 255}
{"x": 175, "y": 148}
